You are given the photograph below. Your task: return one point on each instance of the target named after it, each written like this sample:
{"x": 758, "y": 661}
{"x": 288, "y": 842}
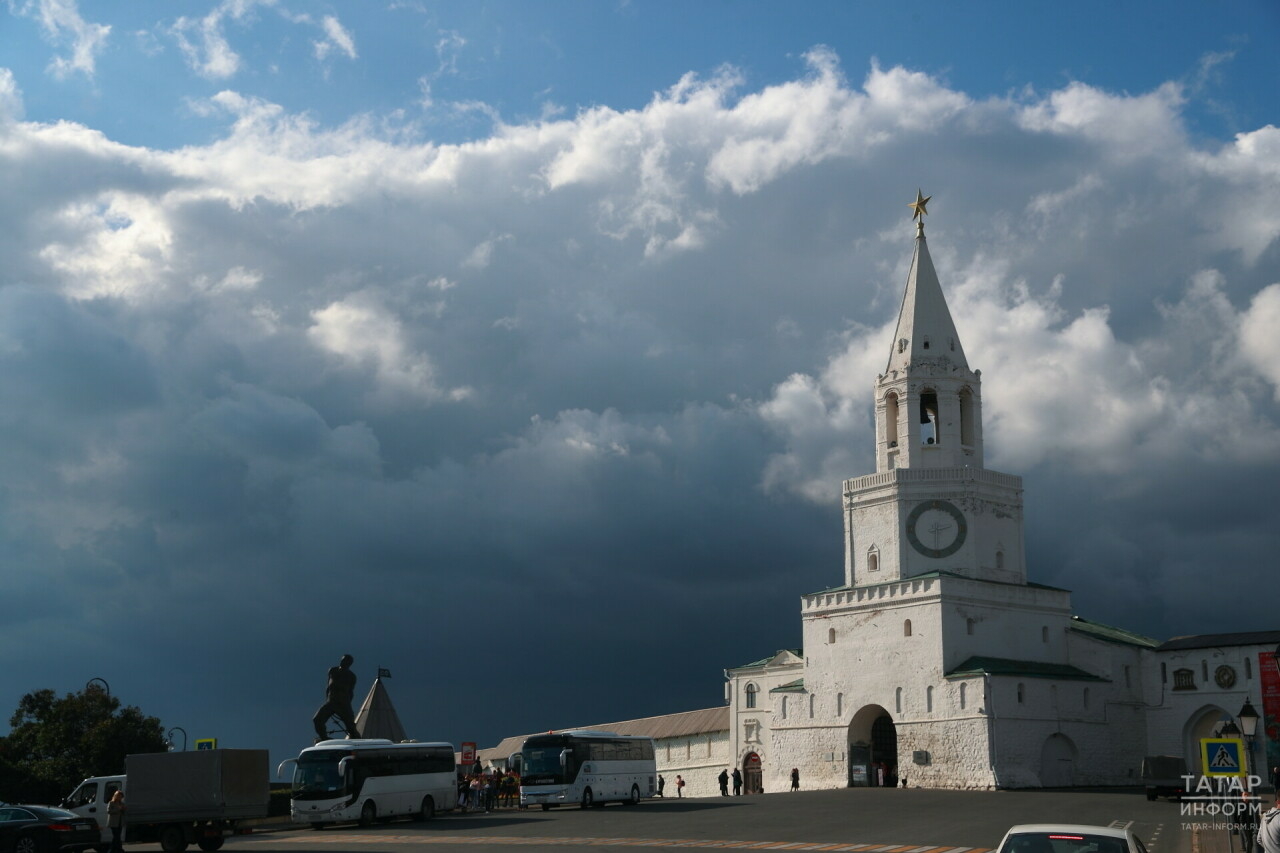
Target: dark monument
{"x": 337, "y": 700}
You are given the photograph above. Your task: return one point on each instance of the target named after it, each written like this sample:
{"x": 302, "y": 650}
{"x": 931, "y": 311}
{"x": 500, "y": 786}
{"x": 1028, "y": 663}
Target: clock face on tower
{"x": 936, "y": 528}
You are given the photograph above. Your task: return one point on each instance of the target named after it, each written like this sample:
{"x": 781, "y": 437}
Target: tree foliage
{"x": 55, "y": 742}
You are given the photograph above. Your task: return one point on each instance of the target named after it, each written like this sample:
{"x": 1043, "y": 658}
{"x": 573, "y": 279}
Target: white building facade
{"x": 937, "y": 663}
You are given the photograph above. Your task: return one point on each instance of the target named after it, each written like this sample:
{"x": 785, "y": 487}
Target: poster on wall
{"x": 1269, "y": 675}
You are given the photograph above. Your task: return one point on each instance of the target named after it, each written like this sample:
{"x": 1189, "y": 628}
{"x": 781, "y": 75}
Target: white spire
{"x": 925, "y": 329}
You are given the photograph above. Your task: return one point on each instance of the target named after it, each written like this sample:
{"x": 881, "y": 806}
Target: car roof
{"x": 1076, "y": 828}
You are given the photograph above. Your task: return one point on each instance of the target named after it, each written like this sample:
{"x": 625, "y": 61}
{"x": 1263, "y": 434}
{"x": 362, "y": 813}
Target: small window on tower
{"x": 953, "y": 344}
{"x": 831, "y": 635}
{"x": 906, "y": 628}
{"x": 925, "y": 343}
{"x": 873, "y": 560}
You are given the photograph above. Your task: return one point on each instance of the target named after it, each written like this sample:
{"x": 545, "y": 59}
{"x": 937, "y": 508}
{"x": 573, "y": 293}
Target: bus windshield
{"x": 316, "y": 776}
{"x": 541, "y": 761}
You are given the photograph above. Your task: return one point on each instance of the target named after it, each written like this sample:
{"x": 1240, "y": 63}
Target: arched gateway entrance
{"x": 873, "y": 748}
{"x": 752, "y": 774}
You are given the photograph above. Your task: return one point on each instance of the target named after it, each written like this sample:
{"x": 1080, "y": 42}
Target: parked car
{"x": 1069, "y": 838}
{"x": 41, "y": 829}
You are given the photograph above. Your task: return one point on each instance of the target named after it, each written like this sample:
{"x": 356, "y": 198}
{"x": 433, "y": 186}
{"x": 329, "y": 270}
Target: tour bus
{"x": 339, "y": 781}
{"x": 588, "y": 768}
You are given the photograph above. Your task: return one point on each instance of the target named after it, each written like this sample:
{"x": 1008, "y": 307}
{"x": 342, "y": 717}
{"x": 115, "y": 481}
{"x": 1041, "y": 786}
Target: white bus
{"x": 588, "y": 768}
{"x": 339, "y": 781}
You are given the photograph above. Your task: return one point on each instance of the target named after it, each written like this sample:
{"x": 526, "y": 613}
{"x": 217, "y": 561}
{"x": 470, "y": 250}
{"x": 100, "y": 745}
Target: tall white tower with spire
{"x": 930, "y": 506}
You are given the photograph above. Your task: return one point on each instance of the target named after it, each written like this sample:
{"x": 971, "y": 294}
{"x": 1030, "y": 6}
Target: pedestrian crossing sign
{"x": 1223, "y": 756}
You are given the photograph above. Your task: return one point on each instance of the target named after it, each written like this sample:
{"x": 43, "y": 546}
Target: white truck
{"x": 180, "y": 798}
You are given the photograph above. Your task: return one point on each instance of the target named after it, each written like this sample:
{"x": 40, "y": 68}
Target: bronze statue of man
{"x": 337, "y": 699}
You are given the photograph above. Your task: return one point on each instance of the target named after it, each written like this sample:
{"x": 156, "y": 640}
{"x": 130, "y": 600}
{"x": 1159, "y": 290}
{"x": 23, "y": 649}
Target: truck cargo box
{"x": 207, "y": 784}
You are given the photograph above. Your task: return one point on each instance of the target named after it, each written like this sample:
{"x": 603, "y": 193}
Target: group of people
{"x": 484, "y": 792}
{"x": 662, "y": 786}
{"x": 723, "y": 779}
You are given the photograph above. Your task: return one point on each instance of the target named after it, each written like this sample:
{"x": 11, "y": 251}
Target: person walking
{"x": 115, "y": 819}
{"x": 795, "y": 778}
{"x": 737, "y": 782}
{"x": 662, "y": 783}
{"x": 1269, "y": 832}
{"x": 679, "y": 786}
{"x": 723, "y": 779}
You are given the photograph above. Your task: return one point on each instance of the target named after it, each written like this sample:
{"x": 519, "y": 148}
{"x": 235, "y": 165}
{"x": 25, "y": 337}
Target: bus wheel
{"x": 587, "y": 801}
{"x": 369, "y": 813}
{"x": 428, "y": 809}
{"x": 634, "y": 799}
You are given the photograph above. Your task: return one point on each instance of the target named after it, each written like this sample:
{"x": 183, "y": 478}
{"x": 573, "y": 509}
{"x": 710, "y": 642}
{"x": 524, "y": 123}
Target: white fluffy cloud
{"x": 62, "y": 24}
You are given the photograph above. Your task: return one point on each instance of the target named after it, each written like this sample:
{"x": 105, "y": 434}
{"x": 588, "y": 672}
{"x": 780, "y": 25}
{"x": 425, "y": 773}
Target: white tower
{"x": 930, "y": 506}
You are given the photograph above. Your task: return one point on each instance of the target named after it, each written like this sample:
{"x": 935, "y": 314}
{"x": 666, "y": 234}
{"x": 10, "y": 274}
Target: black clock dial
{"x": 936, "y": 528}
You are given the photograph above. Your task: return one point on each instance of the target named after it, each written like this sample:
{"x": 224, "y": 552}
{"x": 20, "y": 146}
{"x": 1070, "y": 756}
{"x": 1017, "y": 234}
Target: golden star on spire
{"x": 918, "y": 206}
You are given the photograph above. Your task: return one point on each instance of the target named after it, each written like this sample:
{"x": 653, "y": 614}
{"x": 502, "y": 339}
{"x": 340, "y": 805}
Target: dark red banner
{"x": 1269, "y": 676}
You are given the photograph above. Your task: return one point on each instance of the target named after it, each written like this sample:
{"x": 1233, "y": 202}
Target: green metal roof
{"x": 1112, "y": 634}
{"x": 939, "y": 574}
{"x": 766, "y": 661}
{"x": 796, "y": 686}
{"x": 979, "y": 665}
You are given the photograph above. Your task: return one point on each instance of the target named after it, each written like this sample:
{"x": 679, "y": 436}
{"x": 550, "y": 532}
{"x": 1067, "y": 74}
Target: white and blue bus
{"x": 340, "y": 781}
{"x": 587, "y": 768}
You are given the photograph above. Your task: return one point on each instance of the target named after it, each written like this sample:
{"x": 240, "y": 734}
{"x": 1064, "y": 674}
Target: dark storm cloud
{"x": 553, "y": 424}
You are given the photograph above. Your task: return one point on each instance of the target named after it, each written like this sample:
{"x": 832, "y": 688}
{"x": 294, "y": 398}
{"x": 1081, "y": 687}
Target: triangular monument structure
{"x": 378, "y": 717}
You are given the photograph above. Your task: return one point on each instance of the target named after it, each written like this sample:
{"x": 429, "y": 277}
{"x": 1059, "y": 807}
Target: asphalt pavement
{"x": 863, "y": 820}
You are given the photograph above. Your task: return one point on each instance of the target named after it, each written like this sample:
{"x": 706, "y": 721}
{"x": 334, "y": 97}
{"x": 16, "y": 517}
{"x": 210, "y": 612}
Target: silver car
{"x": 1070, "y": 838}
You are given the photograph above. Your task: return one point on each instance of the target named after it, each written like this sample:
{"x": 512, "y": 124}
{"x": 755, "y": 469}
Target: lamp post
{"x": 170, "y": 737}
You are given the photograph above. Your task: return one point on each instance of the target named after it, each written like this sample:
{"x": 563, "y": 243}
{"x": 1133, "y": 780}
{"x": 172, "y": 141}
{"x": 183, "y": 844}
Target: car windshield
{"x": 1063, "y": 842}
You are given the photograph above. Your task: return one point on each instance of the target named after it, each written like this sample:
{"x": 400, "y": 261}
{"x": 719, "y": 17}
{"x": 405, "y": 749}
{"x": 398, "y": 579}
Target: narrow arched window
{"x": 783, "y": 707}
{"x": 929, "y": 433}
{"x": 751, "y": 695}
{"x": 1248, "y": 668}
{"x": 831, "y": 635}
{"x": 812, "y": 697}
{"x": 964, "y": 695}
{"x": 968, "y": 626}
{"x": 967, "y": 432}
{"x": 873, "y": 560}
{"x": 928, "y": 699}
{"x": 999, "y": 559}
{"x": 906, "y": 628}
{"x": 897, "y": 700}
{"x": 891, "y": 419}
{"x": 1044, "y": 634}
{"x": 1022, "y": 694}
{"x": 839, "y": 704}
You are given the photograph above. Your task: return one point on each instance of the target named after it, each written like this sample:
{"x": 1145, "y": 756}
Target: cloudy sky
{"x": 521, "y": 348}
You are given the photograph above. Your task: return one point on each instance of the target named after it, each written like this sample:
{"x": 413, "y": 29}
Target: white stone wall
{"x": 1175, "y": 711}
{"x": 698, "y": 758}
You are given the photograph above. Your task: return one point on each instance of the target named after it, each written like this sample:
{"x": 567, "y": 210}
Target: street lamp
{"x": 93, "y": 683}
{"x": 184, "y": 738}
{"x": 1248, "y": 717}
{"x": 1229, "y": 729}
